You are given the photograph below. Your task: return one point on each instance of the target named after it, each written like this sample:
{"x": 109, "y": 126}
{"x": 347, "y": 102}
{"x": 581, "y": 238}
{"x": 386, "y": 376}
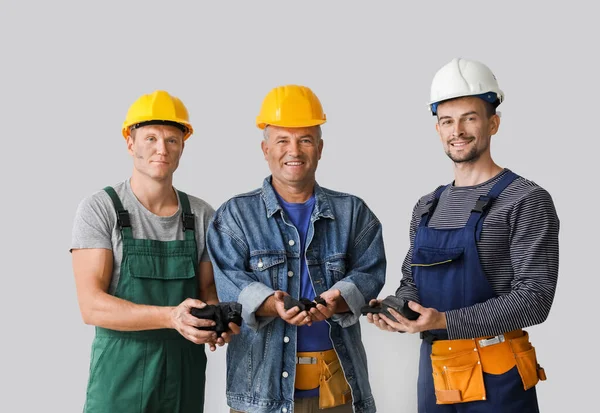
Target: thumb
{"x": 192, "y": 302}
{"x": 415, "y": 307}
{"x": 279, "y": 295}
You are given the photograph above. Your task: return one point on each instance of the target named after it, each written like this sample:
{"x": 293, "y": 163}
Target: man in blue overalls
{"x": 482, "y": 264}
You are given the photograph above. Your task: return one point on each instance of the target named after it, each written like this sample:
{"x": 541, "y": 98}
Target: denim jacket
{"x": 255, "y": 250}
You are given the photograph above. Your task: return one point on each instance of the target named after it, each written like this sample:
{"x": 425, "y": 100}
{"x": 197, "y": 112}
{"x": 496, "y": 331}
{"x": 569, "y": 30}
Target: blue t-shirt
{"x": 315, "y": 337}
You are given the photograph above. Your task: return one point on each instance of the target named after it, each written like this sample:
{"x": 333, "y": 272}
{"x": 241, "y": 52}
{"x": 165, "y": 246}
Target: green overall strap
{"x": 122, "y": 214}
{"x": 189, "y": 223}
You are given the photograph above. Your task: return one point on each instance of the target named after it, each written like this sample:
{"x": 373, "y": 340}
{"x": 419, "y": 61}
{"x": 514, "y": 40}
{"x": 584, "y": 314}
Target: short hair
{"x": 319, "y": 132}
{"x": 490, "y": 108}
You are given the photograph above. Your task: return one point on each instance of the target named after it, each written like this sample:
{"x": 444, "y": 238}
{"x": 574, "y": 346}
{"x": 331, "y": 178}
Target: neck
{"x": 294, "y": 194}
{"x": 475, "y": 173}
{"x": 158, "y": 197}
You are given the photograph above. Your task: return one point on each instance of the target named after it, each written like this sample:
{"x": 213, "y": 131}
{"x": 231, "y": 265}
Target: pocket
{"x": 158, "y": 280}
{"x": 428, "y": 257}
{"x": 334, "y": 389}
{"x": 336, "y": 268}
{"x": 458, "y": 378}
{"x": 438, "y": 272}
{"x": 307, "y": 376}
{"x": 528, "y": 367}
{"x": 526, "y": 360}
{"x": 266, "y": 266}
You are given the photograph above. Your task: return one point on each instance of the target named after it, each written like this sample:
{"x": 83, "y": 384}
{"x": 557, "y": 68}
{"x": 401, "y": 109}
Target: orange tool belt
{"x": 458, "y": 365}
{"x": 322, "y": 369}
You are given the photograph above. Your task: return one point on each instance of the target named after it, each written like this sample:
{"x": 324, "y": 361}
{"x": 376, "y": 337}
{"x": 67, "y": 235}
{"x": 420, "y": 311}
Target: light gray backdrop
{"x": 69, "y": 71}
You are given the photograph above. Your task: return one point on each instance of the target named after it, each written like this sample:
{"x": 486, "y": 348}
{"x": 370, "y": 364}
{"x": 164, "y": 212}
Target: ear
{"x": 494, "y": 124}
{"x": 437, "y": 129}
{"x": 130, "y": 145}
{"x": 265, "y": 148}
{"x": 320, "y": 147}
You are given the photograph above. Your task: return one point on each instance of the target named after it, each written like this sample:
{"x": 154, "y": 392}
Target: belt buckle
{"x": 306, "y": 360}
{"x": 491, "y": 341}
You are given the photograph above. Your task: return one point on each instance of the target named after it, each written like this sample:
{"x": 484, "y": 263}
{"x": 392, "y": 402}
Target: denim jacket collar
{"x": 321, "y": 210}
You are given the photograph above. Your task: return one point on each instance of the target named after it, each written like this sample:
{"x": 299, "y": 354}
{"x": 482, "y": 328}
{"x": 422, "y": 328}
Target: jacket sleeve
{"x": 229, "y": 254}
{"x": 365, "y": 275}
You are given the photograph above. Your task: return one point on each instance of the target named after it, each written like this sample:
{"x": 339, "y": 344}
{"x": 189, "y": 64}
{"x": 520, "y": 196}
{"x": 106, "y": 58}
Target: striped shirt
{"x": 518, "y": 250}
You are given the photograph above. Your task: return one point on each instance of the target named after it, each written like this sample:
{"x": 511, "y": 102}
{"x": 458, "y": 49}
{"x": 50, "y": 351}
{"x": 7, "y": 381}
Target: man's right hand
{"x": 292, "y": 316}
{"x": 183, "y": 321}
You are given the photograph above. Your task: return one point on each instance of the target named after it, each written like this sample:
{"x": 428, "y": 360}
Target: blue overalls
{"x": 449, "y": 275}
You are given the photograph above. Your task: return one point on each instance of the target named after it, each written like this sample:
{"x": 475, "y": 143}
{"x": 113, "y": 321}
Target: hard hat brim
{"x": 185, "y": 127}
{"x": 261, "y": 124}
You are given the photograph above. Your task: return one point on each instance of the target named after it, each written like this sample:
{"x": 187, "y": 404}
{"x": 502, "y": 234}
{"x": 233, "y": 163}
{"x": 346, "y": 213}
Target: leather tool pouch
{"x": 458, "y": 365}
{"x": 529, "y": 369}
{"x": 327, "y": 374}
{"x": 334, "y": 389}
{"x": 457, "y": 377}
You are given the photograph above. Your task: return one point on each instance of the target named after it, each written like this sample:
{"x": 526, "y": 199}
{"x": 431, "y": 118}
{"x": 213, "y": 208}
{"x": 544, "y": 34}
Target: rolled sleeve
{"x": 355, "y": 301}
{"x": 251, "y": 299}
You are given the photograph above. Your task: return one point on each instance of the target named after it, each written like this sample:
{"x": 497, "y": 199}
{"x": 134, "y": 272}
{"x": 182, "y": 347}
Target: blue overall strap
{"x": 482, "y": 206}
{"x": 430, "y": 206}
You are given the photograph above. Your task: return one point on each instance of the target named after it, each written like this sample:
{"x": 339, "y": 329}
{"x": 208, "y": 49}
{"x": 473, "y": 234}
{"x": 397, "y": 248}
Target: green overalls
{"x": 154, "y": 370}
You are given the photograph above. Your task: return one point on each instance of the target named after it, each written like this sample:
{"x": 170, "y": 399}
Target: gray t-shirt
{"x": 95, "y": 225}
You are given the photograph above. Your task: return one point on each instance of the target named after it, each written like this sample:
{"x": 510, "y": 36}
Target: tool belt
{"x": 322, "y": 369}
{"x": 458, "y": 365}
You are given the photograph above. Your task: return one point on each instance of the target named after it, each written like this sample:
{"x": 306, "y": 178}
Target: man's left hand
{"x": 430, "y": 319}
{"x": 334, "y": 301}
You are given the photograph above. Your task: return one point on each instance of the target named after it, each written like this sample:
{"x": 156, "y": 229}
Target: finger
{"x": 300, "y": 319}
{"x": 233, "y": 328}
{"x": 317, "y": 315}
{"x": 200, "y": 336}
{"x": 292, "y": 312}
{"x": 374, "y": 302}
{"x": 416, "y": 307}
{"x": 279, "y": 295}
{"x": 325, "y": 310}
{"x": 392, "y": 323}
{"x": 190, "y": 320}
{"x": 398, "y": 316}
{"x": 212, "y": 347}
{"x": 370, "y": 318}
{"x": 193, "y": 302}
{"x": 220, "y": 342}
{"x": 226, "y": 337}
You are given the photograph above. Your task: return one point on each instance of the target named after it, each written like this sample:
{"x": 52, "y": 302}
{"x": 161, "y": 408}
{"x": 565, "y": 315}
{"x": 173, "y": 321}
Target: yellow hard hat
{"x": 158, "y": 108}
{"x": 291, "y": 106}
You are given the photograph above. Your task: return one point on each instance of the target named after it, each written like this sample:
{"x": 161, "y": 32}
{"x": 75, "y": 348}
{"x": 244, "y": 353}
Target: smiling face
{"x": 293, "y": 155}
{"x": 466, "y": 129}
{"x": 156, "y": 150}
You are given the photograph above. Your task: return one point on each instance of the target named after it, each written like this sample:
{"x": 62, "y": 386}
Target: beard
{"x": 465, "y": 157}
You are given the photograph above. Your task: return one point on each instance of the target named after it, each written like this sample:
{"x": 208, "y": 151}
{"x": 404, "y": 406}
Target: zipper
{"x": 432, "y": 264}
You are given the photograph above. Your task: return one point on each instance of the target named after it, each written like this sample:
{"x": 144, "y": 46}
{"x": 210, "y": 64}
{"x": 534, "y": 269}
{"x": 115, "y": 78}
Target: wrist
{"x": 442, "y": 321}
{"x": 168, "y": 317}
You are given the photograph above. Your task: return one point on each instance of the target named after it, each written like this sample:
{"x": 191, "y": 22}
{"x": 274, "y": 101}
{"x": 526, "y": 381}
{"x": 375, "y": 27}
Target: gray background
{"x": 69, "y": 71}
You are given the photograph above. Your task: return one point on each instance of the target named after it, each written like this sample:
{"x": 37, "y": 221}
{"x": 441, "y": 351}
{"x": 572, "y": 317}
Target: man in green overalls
{"x": 140, "y": 266}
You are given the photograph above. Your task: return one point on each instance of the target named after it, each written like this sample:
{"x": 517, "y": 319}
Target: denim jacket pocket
{"x": 336, "y": 268}
{"x": 266, "y": 266}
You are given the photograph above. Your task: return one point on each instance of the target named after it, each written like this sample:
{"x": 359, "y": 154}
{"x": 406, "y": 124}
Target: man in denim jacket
{"x": 292, "y": 237}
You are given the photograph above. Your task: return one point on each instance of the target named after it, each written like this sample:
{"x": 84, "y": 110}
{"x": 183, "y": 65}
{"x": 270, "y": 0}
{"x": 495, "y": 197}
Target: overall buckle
{"x": 491, "y": 341}
{"x": 306, "y": 360}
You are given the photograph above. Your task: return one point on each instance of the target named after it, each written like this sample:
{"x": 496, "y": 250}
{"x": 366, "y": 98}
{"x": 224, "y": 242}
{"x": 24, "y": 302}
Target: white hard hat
{"x": 462, "y": 77}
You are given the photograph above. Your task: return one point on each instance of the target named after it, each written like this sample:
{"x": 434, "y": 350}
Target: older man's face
{"x": 293, "y": 154}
